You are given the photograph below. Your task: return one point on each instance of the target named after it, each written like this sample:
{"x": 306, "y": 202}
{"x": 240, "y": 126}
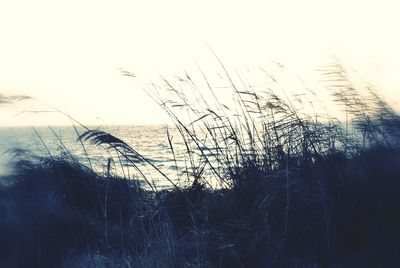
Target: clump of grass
{"x": 287, "y": 179}
{"x": 53, "y": 207}
{"x": 269, "y": 184}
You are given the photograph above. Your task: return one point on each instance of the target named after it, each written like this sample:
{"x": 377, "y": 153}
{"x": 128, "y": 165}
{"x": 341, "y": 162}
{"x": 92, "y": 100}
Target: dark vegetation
{"x": 273, "y": 187}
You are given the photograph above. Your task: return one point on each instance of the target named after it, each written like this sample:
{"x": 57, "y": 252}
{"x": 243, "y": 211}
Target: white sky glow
{"x": 68, "y": 54}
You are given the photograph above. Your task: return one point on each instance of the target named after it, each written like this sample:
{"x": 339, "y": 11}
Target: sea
{"x": 150, "y": 141}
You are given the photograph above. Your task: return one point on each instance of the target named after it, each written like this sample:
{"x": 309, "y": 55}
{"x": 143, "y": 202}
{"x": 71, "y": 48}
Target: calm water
{"x": 150, "y": 141}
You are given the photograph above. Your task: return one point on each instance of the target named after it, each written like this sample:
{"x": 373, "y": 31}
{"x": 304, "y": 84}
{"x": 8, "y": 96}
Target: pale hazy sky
{"x": 68, "y": 53}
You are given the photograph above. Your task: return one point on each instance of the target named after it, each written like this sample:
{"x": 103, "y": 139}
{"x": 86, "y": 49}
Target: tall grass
{"x": 270, "y": 182}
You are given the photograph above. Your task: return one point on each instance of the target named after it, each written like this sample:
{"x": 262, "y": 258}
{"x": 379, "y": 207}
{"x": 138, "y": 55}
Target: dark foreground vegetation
{"x": 294, "y": 191}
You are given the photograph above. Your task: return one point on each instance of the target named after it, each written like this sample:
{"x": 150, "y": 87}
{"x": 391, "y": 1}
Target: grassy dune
{"x": 273, "y": 187}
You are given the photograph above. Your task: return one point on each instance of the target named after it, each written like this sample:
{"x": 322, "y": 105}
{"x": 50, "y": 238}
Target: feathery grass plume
{"x": 97, "y": 137}
{"x": 12, "y": 99}
{"x": 365, "y": 110}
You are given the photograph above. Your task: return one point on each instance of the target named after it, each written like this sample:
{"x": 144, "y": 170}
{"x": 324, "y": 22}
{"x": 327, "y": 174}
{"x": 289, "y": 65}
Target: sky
{"x": 69, "y": 54}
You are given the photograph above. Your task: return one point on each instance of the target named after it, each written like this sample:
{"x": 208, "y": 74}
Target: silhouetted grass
{"x": 270, "y": 186}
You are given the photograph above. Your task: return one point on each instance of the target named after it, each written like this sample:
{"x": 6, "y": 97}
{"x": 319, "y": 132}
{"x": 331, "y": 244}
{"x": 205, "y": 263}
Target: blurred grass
{"x": 267, "y": 185}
